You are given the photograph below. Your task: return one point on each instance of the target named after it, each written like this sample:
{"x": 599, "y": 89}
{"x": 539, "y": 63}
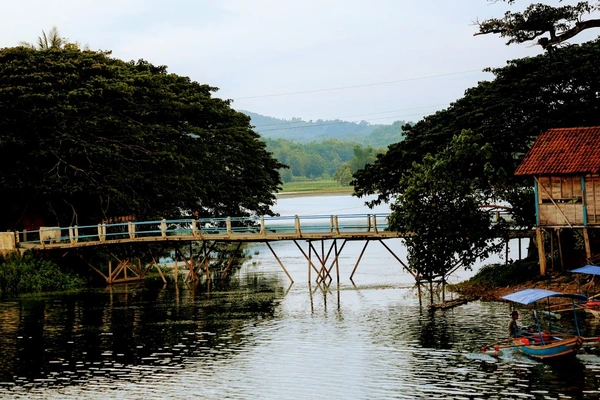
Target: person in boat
{"x": 513, "y": 327}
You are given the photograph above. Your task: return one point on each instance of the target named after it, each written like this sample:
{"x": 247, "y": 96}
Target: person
{"x": 513, "y": 328}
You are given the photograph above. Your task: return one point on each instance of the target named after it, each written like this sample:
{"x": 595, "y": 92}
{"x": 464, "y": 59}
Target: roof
{"x": 588, "y": 269}
{"x": 529, "y": 296}
{"x": 563, "y": 151}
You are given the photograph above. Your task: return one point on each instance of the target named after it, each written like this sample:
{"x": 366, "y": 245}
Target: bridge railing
{"x": 215, "y": 228}
{"x": 207, "y": 228}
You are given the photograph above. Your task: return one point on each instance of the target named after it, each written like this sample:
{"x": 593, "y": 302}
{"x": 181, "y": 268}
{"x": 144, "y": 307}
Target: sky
{"x": 355, "y": 60}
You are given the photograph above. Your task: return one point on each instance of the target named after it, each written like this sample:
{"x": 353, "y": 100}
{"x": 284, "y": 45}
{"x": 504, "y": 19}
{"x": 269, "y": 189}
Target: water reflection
{"x": 355, "y": 342}
{"x": 258, "y": 336}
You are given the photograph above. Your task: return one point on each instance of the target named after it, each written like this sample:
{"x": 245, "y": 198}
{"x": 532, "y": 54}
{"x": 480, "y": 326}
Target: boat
{"x": 592, "y": 305}
{"x": 544, "y": 345}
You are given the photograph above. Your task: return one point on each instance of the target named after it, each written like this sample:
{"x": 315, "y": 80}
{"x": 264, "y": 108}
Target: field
{"x": 314, "y": 187}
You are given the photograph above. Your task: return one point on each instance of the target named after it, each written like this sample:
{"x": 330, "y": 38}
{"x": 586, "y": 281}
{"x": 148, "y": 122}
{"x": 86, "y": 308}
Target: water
{"x": 264, "y": 338}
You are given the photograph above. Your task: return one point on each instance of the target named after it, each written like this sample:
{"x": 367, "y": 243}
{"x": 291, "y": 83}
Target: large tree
{"x": 84, "y": 136}
{"x": 526, "y": 97}
{"x": 548, "y": 25}
{"x": 440, "y": 209}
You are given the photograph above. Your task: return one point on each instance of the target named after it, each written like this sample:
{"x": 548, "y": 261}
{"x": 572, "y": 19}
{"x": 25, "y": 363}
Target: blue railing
{"x": 207, "y": 228}
{"x": 216, "y": 228}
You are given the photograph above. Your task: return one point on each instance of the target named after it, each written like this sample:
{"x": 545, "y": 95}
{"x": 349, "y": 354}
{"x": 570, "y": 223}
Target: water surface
{"x": 262, "y": 337}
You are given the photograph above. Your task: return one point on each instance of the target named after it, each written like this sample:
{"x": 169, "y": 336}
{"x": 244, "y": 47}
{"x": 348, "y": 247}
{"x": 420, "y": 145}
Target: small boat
{"x": 545, "y": 345}
{"x": 592, "y": 305}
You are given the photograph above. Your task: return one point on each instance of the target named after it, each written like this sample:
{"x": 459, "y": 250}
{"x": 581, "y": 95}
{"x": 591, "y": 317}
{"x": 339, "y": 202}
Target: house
{"x": 565, "y": 165}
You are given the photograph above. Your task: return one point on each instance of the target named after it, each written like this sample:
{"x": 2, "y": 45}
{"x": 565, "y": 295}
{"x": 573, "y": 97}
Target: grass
{"x": 322, "y": 186}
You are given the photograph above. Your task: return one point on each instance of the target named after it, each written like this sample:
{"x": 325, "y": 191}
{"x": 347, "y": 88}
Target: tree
{"x": 440, "y": 207}
{"x": 52, "y": 40}
{"x": 550, "y": 26}
{"x": 526, "y": 97}
{"x": 84, "y": 136}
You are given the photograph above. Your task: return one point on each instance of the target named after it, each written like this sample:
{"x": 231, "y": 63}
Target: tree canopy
{"x": 549, "y": 26}
{"x": 84, "y": 136}
{"x": 504, "y": 115}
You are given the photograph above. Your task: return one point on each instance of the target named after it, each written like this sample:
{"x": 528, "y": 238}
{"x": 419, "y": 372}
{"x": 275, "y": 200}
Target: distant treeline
{"x": 300, "y": 131}
{"x": 329, "y": 159}
{"x": 324, "y": 149}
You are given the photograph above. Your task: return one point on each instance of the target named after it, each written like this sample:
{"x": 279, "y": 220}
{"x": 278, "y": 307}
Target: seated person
{"x": 513, "y": 327}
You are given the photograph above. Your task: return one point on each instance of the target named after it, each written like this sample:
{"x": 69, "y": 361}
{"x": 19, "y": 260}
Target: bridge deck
{"x": 246, "y": 229}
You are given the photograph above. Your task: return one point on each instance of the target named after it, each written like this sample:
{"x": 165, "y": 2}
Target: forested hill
{"x": 300, "y": 131}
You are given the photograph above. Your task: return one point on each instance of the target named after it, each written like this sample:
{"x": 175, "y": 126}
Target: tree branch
{"x": 569, "y": 33}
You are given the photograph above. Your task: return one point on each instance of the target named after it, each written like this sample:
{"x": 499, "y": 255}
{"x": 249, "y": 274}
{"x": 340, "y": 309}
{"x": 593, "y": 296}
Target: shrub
{"x": 27, "y": 274}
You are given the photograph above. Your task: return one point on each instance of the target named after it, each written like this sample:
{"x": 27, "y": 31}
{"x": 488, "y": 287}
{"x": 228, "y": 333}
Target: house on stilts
{"x": 565, "y": 165}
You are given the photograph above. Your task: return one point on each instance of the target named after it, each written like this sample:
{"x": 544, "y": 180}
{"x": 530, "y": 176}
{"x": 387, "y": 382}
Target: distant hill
{"x": 301, "y": 131}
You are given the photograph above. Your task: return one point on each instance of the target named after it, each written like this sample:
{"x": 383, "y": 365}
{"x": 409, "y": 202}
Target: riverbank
{"x": 495, "y": 281}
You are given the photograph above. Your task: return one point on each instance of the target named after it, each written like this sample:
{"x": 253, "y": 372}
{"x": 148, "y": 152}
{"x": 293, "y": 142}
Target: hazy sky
{"x": 377, "y": 60}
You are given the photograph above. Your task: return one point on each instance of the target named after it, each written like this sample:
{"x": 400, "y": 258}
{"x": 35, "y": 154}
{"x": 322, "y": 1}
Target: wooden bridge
{"x": 209, "y": 232}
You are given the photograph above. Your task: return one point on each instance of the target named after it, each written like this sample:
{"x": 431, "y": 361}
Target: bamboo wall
{"x": 560, "y": 200}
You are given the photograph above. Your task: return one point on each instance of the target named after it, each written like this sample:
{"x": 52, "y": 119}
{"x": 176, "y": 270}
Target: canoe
{"x": 558, "y": 348}
{"x": 545, "y": 345}
{"x": 591, "y": 306}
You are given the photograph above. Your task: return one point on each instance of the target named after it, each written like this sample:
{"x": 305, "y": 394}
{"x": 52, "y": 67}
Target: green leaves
{"x": 441, "y": 207}
{"x": 550, "y": 25}
{"x": 460, "y": 158}
{"x": 84, "y": 136}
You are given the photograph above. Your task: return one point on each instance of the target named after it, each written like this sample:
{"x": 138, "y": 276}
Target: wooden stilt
{"x": 279, "y": 261}
{"x": 93, "y": 268}
{"x": 311, "y": 264}
{"x": 157, "y": 266}
{"x": 541, "y": 251}
{"x": 231, "y": 260}
{"x": 586, "y": 240}
{"x": 551, "y": 232}
{"x": 399, "y": 260}
{"x": 359, "y": 258}
{"x": 337, "y": 264}
{"x": 560, "y": 253}
{"x": 309, "y": 258}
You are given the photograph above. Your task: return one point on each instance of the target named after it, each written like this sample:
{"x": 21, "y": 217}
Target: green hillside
{"x": 300, "y": 131}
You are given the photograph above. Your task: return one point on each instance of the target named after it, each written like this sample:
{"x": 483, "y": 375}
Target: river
{"x": 262, "y": 337}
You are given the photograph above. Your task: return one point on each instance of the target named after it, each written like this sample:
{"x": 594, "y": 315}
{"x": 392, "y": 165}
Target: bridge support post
{"x": 541, "y": 251}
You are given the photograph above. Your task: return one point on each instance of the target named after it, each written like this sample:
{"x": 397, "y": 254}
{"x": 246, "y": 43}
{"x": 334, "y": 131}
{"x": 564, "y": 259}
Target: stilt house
{"x": 565, "y": 165}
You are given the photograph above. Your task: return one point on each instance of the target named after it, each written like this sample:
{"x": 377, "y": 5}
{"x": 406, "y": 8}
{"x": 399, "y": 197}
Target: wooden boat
{"x": 546, "y": 345}
{"x": 591, "y": 306}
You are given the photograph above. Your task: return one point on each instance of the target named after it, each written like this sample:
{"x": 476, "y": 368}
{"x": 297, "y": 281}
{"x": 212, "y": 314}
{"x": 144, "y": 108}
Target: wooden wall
{"x": 592, "y": 198}
{"x": 560, "y": 200}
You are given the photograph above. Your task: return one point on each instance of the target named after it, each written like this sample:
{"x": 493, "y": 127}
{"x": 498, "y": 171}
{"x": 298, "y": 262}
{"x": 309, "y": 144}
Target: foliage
{"x": 360, "y": 158}
{"x": 26, "y": 274}
{"x": 317, "y": 160}
{"x": 550, "y": 26}
{"x": 500, "y": 276}
{"x": 52, "y": 40}
{"x": 526, "y": 97}
{"x": 441, "y": 207}
{"x": 84, "y": 136}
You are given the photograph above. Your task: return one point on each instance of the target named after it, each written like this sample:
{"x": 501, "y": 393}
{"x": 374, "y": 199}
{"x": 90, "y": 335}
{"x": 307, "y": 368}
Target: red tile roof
{"x": 563, "y": 151}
